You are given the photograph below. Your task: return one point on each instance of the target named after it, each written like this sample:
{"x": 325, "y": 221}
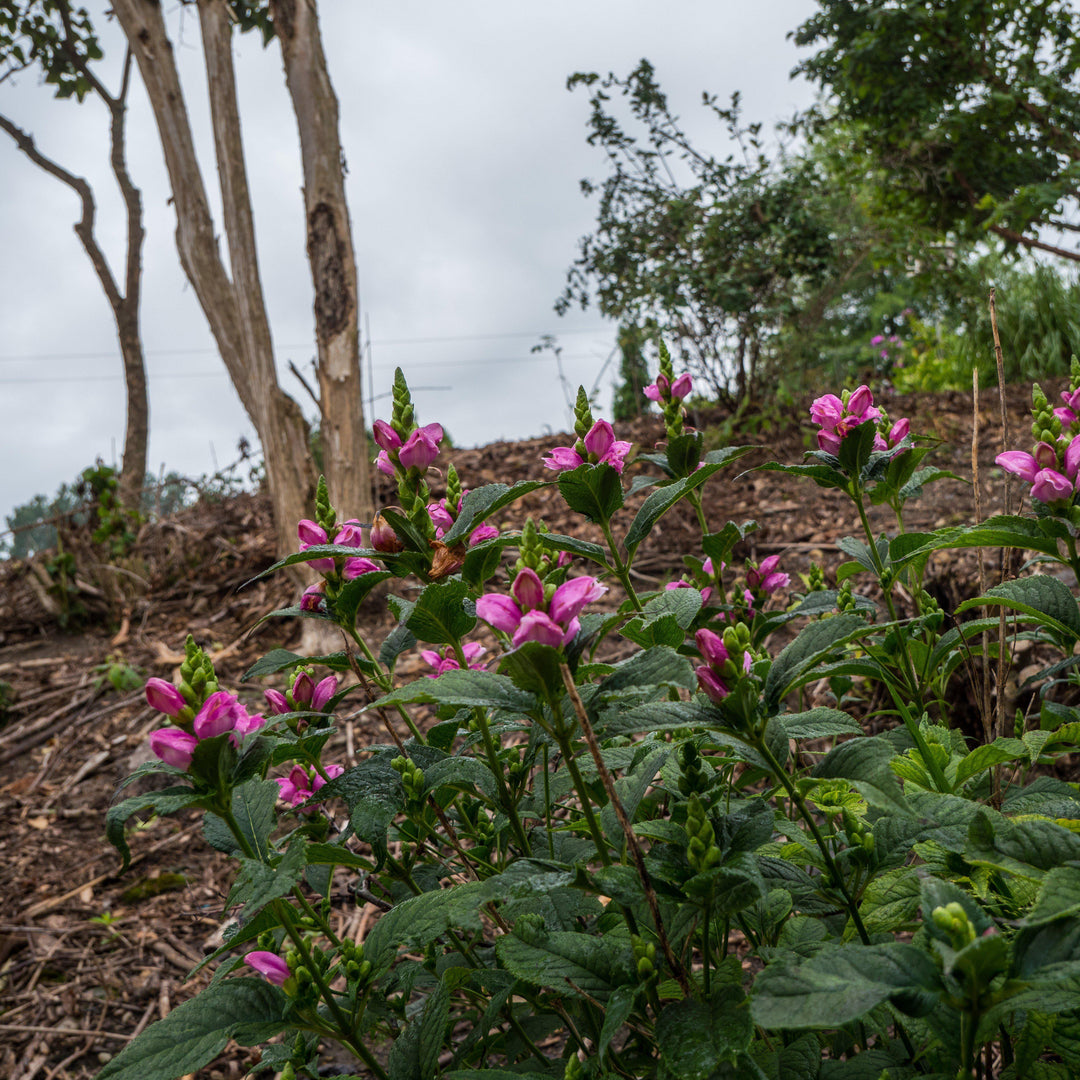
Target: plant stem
{"x": 504, "y": 792}
{"x": 622, "y": 570}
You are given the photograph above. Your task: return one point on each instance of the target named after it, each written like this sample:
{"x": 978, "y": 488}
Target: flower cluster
{"x": 221, "y": 712}
{"x": 1051, "y": 469}
{"x": 665, "y": 389}
{"x": 529, "y": 614}
{"x": 716, "y": 676}
{"x": 302, "y": 782}
{"x": 304, "y": 693}
{"x": 418, "y": 451}
{"x": 765, "y": 578}
{"x": 445, "y": 660}
{"x": 839, "y": 416}
{"x": 349, "y": 534}
{"x": 598, "y": 447}
{"x": 706, "y": 592}
{"x": 269, "y": 965}
{"x": 443, "y": 517}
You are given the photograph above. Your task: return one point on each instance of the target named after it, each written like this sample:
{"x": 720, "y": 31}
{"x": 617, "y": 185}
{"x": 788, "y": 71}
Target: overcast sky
{"x": 464, "y": 153}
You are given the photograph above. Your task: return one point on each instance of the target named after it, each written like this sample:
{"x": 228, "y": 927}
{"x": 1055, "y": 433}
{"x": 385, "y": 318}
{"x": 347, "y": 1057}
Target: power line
{"x": 210, "y": 351}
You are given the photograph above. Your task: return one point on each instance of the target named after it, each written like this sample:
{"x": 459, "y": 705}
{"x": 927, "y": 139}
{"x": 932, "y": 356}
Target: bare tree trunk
{"x": 233, "y": 307}
{"x": 330, "y": 252}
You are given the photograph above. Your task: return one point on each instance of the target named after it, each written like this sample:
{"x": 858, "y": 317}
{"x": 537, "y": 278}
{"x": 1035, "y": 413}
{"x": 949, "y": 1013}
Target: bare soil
{"x": 88, "y": 957}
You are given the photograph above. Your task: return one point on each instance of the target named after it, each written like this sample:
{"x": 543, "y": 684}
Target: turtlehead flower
{"x": 302, "y": 783}
{"x": 313, "y": 598}
{"x": 1069, "y": 413}
{"x": 269, "y": 965}
{"x": 221, "y": 712}
{"x": 446, "y": 660}
{"x": 421, "y": 448}
{"x": 600, "y": 446}
{"x": 164, "y": 697}
{"x": 527, "y": 615}
{"x": 1040, "y": 469}
{"x": 718, "y": 665}
{"x": 837, "y": 419}
{"x": 766, "y": 578}
{"x": 665, "y": 390}
{"x": 173, "y": 746}
{"x": 349, "y": 534}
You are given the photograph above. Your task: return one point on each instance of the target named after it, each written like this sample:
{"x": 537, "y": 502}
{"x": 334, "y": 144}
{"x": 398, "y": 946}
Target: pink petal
{"x": 600, "y": 438}
{"x": 528, "y": 590}
{"x": 570, "y": 597}
{"x": 164, "y": 697}
{"x": 1019, "y": 463}
{"x": 537, "y": 626}
{"x": 173, "y": 746}
{"x": 562, "y": 458}
{"x": 682, "y": 386}
{"x": 499, "y": 611}
{"x": 269, "y": 965}
{"x": 386, "y": 438}
{"x": 1050, "y": 486}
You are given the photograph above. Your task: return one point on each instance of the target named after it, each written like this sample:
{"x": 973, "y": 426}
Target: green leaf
{"x": 592, "y": 490}
{"x": 253, "y": 810}
{"x": 826, "y": 476}
{"x": 1009, "y": 531}
{"x": 814, "y": 644}
{"x": 569, "y": 962}
{"x": 484, "y": 501}
{"x": 1027, "y": 848}
{"x": 465, "y": 688}
{"x": 1046, "y": 599}
{"x": 166, "y": 801}
{"x": 694, "y": 1037}
{"x": 414, "y": 1054}
{"x": 659, "y": 666}
{"x": 400, "y": 639}
{"x": 250, "y": 1011}
{"x": 819, "y": 723}
{"x": 989, "y": 755}
{"x": 663, "y": 499}
{"x": 718, "y": 545}
{"x": 1058, "y": 898}
{"x": 865, "y": 763}
{"x": 844, "y": 982}
{"x": 417, "y": 922}
{"x": 258, "y": 883}
{"x": 572, "y": 544}
{"x": 534, "y": 668}
{"x": 353, "y": 594}
{"x": 619, "y": 1007}
{"x": 443, "y": 613}
{"x": 374, "y": 795}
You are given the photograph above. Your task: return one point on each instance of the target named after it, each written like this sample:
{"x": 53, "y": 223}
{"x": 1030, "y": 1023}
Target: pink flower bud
{"x": 711, "y": 684}
{"x": 350, "y": 534}
{"x": 1018, "y": 463}
{"x": 384, "y": 464}
{"x": 528, "y": 590}
{"x": 861, "y": 401}
{"x": 652, "y": 392}
{"x": 712, "y": 648}
{"x": 828, "y": 441}
{"x": 899, "y": 431}
{"x": 482, "y": 533}
{"x": 440, "y": 516}
{"x": 323, "y": 692}
{"x": 269, "y": 965}
{"x": 311, "y": 535}
{"x": 173, "y": 746}
{"x": 600, "y": 438}
{"x": 312, "y": 598}
{"x": 1045, "y": 455}
{"x": 164, "y": 697}
{"x": 276, "y": 700}
{"x": 302, "y": 688}
{"x": 355, "y": 568}
{"x": 1072, "y": 457}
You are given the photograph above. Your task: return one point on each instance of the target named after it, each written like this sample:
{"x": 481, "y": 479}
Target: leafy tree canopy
{"x": 972, "y": 107}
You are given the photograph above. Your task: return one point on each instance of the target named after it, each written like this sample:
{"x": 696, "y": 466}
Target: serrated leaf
{"x": 250, "y": 1011}
{"x": 814, "y": 643}
{"x": 414, "y": 1054}
{"x": 659, "y": 666}
{"x": 484, "y": 501}
{"x": 663, "y": 499}
{"x": 569, "y": 962}
{"x": 594, "y": 491}
{"x": 574, "y": 546}
{"x": 820, "y": 723}
{"x": 864, "y": 762}
{"x": 1040, "y": 596}
{"x": 989, "y": 755}
{"x": 443, "y": 612}
{"x": 842, "y": 983}
{"x": 694, "y": 1037}
{"x": 400, "y": 639}
{"x": 166, "y": 801}
{"x": 463, "y": 687}
{"x": 258, "y": 883}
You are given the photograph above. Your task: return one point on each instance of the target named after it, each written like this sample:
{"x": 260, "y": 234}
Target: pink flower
{"x": 877, "y": 339}
{"x": 482, "y": 533}
{"x": 421, "y": 448}
{"x": 386, "y": 438}
{"x": 570, "y": 597}
{"x": 164, "y": 697}
{"x": 383, "y": 537}
{"x": 313, "y": 535}
{"x": 828, "y": 441}
{"x": 499, "y": 611}
{"x": 837, "y": 419}
{"x": 1045, "y": 455}
{"x": 445, "y": 660}
{"x": 173, "y": 746}
{"x": 1050, "y": 486}
{"x": 899, "y": 431}
{"x": 766, "y": 577}
{"x": 827, "y": 411}
{"x": 712, "y": 648}
{"x": 220, "y": 712}
{"x": 1018, "y": 463}
{"x": 384, "y": 464}
{"x": 705, "y": 593}
{"x": 301, "y": 784}
{"x": 440, "y": 516}
{"x": 356, "y": 567}
{"x": 269, "y": 965}
{"x": 528, "y": 590}
{"x": 312, "y": 598}
{"x": 711, "y": 684}
{"x": 601, "y": 444}
{"x": 277, "y": 702}
{"x": 682, "y": 386}
{"x": 563, "y": 458}
{"x": 538, "y": 626}
{"x": 658, "y": 390}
